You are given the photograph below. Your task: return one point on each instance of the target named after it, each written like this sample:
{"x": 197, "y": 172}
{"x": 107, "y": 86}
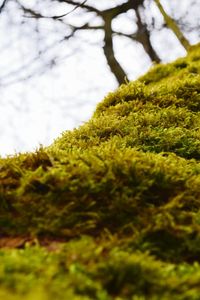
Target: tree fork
{"x": 143, "y": 37}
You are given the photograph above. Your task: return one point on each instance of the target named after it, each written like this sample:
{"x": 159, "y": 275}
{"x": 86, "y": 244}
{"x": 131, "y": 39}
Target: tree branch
{"x": 82, "y": 5}
{"x": 114, "y": 65}
{"x": 143, "y": 37}
{"x": 3, "y": 5}
{"x": 120, "y": 9}
{"x": 173, "y": 26}
{"x": 37, "y": 15}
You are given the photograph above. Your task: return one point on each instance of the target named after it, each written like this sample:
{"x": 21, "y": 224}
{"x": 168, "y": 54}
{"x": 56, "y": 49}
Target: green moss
{"x": 105, "y": 271}
{"x": 121, "y": 192}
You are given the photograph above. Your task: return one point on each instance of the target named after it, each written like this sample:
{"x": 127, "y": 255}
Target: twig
{"x": 2, "y": 6}
{"x": 38, "y": 15}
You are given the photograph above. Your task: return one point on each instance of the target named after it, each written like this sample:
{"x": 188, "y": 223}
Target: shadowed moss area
{"x": 122, "y": 193}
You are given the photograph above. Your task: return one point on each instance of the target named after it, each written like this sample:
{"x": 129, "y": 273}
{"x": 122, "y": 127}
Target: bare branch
{"x": 143, "y": 37}
{"x": 82, "y": 5}
{"x": 64, "y": 15}
{"x": 114, "y": 65}
{"x": 37, "y": 15}
{"x": 122, "y": 8}
{"x": 7, "y": 80}
{"x": 3, "y": 5}
{"x": 173, "y": 26}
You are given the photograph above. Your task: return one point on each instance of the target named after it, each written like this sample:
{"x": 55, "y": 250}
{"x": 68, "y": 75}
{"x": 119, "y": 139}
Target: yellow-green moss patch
{"x": 122, "y": 192}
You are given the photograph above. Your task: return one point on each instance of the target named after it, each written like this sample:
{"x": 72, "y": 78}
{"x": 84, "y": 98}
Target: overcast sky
{"x": 37, "y": 110}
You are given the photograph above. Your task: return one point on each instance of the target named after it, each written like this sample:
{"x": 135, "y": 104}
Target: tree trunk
{"x": 114, "y": 65}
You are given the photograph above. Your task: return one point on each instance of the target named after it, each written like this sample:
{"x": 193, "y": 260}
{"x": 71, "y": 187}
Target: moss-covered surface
{"x": 111, "y": 210}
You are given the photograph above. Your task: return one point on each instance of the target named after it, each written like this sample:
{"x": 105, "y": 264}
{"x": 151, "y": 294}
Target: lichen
{"x": 122, "y": 194}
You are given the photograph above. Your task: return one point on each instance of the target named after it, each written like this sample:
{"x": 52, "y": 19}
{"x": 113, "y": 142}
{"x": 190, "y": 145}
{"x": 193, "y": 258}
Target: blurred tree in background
{"x": 67, "y": 18}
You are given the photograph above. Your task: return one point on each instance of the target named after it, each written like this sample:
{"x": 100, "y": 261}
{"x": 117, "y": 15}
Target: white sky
{"x": 36, "y": 111}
